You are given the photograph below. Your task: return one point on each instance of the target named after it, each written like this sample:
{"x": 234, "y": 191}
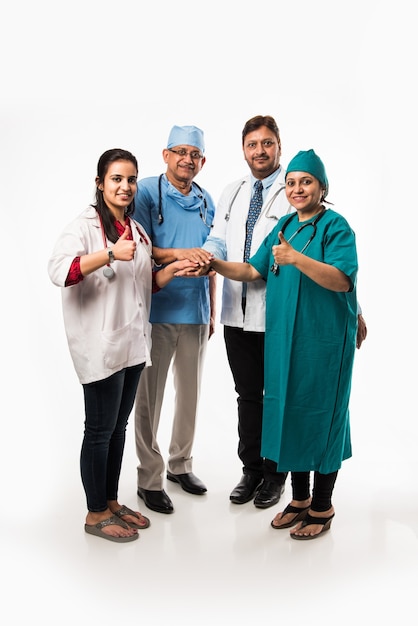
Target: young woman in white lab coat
{"x": 103, "y": 263}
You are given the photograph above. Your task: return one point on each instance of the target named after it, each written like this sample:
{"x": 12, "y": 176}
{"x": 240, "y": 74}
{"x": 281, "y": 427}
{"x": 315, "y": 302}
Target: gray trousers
{"x": 185, "y": 346}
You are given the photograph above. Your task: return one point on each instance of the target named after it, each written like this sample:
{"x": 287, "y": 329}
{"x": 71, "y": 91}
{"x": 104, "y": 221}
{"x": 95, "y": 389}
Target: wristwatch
{"x": 111, "y": 255}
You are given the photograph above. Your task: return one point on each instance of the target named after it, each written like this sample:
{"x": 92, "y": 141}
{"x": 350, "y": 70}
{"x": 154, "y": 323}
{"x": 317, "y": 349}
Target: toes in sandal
{"x": 125, "y": 510}
{"x": 113, "y": 520}
{"x": 324, "y": 521}
{"x": 300, "y": 515}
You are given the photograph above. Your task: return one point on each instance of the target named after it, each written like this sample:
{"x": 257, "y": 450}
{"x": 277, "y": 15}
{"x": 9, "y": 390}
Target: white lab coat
{"x": 106, "y": 320}
{"x": 227, "y": 240}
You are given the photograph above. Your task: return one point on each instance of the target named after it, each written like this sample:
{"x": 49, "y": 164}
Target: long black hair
{"x": 108, "y": 157}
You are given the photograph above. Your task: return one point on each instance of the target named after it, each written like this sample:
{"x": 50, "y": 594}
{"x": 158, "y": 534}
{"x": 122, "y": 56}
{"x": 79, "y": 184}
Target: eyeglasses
{"x": 195, "y": 155}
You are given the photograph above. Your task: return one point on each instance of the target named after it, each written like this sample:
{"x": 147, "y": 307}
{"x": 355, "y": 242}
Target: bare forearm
{"x": 243, "y": 272}
{"x": 168, "y": 255}
{"x": 325, "y": 275}
{"x": 91, "y": 262}
{"x": 122, "y": 250}
{"x": 164, "y": 255}
{"x": 170, "y": 271}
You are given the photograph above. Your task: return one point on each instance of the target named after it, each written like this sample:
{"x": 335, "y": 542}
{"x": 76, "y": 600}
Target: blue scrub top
{"x": 186, "y": 224}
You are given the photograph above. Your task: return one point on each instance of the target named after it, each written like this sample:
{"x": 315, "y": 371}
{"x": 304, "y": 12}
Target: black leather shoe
{"x": 246, "y": 489}
{"x": 268, "y": 495}
{"x": 189, "y": 482}
{"x": 156, "y": 500}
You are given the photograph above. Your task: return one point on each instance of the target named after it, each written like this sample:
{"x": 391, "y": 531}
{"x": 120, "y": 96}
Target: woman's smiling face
{"x": 304, "y": 193}
{"x": 119, "y": 185}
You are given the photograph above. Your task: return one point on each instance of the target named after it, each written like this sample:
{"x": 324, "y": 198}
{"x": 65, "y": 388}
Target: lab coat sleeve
{"x": 68, "y": 246}
{"x": 217, "y": 246}
{"x": 216, "y": 242}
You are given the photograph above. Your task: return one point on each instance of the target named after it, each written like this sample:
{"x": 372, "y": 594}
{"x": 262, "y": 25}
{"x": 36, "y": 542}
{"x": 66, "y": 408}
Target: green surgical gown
{"x": 309, "y": 350}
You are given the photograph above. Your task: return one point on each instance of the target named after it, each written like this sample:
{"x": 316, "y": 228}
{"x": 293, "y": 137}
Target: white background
{"x": 79, "y": 79}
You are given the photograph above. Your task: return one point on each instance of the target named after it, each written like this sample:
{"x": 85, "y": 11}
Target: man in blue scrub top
{"x": 177, "y": 214}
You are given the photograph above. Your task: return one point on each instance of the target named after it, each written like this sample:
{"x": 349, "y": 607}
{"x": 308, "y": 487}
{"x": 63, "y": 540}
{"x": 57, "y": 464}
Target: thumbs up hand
{"x": 124, "y": 248}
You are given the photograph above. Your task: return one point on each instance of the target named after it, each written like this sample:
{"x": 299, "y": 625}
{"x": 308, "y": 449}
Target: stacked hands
{"x": 195, "y": 262}
{"x": 201, "y": 261}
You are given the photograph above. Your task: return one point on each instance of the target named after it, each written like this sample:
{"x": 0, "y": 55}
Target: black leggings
{"x": 323, "y": 486}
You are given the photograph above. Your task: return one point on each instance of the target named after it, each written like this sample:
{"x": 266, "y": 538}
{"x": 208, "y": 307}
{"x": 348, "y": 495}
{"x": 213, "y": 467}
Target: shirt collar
{"x": 268, "y": 181}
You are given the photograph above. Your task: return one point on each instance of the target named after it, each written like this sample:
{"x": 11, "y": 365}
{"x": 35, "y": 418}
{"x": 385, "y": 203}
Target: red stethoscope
{"x": 108, "y": 271}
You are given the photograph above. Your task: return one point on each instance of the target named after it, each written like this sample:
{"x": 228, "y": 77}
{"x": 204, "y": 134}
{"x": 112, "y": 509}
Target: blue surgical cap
{"x": 308, "y": 161}
{"x": 186, "y": 135}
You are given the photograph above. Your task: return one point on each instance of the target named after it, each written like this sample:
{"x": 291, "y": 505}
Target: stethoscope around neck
{"x": 275, "y": 268}
{"x": 108, "y": 271}
{"x": 200, "y": 196}
{"x": 266, "y": 209}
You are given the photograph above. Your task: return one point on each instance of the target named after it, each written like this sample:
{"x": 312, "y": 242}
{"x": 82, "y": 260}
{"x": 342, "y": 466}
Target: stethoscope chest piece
{"x": 108, "y": 272}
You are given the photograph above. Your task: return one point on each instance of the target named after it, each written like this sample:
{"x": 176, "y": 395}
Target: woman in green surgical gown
{"x": 309, "y": 262}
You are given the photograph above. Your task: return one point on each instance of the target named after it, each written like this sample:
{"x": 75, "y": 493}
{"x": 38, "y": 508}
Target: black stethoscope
{"x": 108, "y": 271}
{"x": 275, "y": 268}
{"x": 266, "y": 209}
{"x": 200, "y": 196}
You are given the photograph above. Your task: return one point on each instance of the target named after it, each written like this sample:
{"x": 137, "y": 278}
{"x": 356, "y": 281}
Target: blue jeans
{"x": 108, "y": 404}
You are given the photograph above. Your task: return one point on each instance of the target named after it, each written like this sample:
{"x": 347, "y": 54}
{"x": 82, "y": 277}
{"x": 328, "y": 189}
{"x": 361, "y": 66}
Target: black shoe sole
{"x": 240, "y": 501}
{"x": 263, "y": 505}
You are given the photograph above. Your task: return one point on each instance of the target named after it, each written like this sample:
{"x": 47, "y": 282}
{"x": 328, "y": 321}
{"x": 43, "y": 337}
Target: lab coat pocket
{"x": 122, "y": 347}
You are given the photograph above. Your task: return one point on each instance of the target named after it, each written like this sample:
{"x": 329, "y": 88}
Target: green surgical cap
{"x": 308, "y": 161}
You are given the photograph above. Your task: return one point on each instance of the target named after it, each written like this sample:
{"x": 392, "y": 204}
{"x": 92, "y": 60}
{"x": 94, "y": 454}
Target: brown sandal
{"x": 300, "y": 515}
{"x": 308, "y": 521}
